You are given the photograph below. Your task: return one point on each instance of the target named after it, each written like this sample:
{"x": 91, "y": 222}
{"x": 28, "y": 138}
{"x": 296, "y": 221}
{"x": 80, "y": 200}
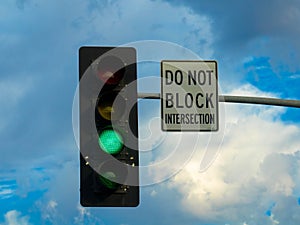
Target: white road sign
{"x": 189, "y": 95}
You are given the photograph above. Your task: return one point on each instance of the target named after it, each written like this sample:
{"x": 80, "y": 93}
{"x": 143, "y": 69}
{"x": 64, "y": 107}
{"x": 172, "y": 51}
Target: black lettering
{"x": 169, "y": 80}
{"x": 177, "y": 101}
{"x": 197, "y": 100}
{"x": 178, "y": 79}
{"x": 191, "y": 78}
{"x": 197, "y": 118}
{"x": 208, "y": 100}
{"x": 201, "y": 118}
{"x": 169, "y": 100}
{"x": 206, "y": 118}
{"x": 212, "y": 118}
{"x": 168, "y": 118}
{"x": 189, "y": 100}
{"x": 182, "y": 119}
{"x": 209, "y": 76}
{"x": 187, "y": 118}
{"x": 177, "y": 119}
{"x": 192, "y": 118}
{"x": 201, "y": 82}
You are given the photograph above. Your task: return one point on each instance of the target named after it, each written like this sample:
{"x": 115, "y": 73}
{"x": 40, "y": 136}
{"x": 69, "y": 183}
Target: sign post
{"x": 189, "y": 95}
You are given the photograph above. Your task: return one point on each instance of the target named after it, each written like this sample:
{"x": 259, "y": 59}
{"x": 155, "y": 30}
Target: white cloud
{"x": 233, "y": 114}
{"x": 50, "y": 212}
{"x": 86, "y": 217}
{"x": 294, "y": 76}
{"x": 258, "y": 164}
{"x": 274, "y": 221}
{"x": 14, "y": 217}
{"x": 6, "y": 192}
{"x": 7, "y": 187}
{"x": 250, "y": 90}
{"x": 52, "y": 204}
{"x": 118, "y": 22}
{"x": 153, "y": 193}
{"x": 58, "y": 204}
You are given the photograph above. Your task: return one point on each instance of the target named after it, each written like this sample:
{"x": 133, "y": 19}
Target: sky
{"x": 251, "y": 173}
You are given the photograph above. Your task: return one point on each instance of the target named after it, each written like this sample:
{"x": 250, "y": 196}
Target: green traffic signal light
{"x": 110, "y": 141}
{"x": 107, "y": 178}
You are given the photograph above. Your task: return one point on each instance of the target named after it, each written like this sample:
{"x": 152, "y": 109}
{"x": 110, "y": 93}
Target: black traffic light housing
{"x": 109, "y": 158}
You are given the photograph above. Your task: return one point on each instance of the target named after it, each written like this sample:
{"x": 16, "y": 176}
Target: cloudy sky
{"x": 246, "y": 174}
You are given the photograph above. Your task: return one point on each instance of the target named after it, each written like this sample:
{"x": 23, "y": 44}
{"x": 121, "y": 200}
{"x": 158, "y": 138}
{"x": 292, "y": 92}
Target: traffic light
{"x": 109, "y": 158}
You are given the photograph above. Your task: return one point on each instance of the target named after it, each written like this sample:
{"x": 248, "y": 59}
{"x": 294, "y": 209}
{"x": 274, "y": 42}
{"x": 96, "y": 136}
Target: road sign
{"x": 189, "y": 95}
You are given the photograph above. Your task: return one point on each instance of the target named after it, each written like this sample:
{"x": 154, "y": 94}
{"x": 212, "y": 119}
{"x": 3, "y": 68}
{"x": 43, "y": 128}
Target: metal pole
{"x": 149, "y": 95}
{"x": 240, "y": 99}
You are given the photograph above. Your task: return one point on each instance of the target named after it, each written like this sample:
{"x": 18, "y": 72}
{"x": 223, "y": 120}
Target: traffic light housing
{"x": 109, "y": 156}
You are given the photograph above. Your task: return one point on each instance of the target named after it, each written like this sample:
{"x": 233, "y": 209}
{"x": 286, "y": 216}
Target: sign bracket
{"x": 240, "y": 99}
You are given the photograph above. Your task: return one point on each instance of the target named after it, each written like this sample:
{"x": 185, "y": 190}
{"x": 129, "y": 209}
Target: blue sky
{"x": 255, "y": 177}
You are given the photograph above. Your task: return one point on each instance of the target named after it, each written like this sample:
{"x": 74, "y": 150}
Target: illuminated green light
{"x": 111, "y": 141}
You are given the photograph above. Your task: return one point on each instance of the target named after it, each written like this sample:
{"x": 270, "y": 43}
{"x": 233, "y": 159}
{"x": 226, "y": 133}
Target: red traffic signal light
{"x": 108, "y": 127}
{"x": 111, "y": 70}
